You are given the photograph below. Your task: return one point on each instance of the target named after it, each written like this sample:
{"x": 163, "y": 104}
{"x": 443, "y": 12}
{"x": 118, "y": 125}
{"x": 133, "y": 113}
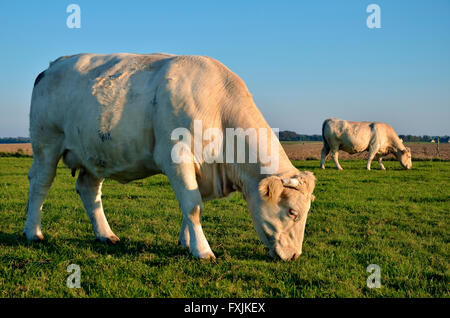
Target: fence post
{"x": 437, "y": 149}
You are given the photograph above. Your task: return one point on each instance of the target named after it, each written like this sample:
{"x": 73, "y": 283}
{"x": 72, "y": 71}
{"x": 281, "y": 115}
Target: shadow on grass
{"x": 125, "y": 247}
{"x": 243, "y": 254}
{"x": 328, "y": 166}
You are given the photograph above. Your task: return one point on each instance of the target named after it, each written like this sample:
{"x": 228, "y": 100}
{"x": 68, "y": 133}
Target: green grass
{"x": 18, "y": 154}
{"x": 397, "y": 219}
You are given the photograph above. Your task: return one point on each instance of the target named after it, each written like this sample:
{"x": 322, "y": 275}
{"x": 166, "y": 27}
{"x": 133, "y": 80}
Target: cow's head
{"x": 404, "y": 156}
{"x": 280, "y": 210}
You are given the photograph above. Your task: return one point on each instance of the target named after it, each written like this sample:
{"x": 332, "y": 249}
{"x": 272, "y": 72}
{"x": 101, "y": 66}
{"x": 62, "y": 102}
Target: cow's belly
{"x": 353, "y": 146}
{"x": 139, "y": 170}
{"x": 123, "y": 162}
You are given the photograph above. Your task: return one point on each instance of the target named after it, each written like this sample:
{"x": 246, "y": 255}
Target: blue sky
{"x": 303, "y": 61}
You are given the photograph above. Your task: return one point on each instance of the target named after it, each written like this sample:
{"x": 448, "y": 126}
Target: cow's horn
{"x": 291, "y": 182}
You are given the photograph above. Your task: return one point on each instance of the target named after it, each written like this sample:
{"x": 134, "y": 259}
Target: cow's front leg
{"x": 380, "y": 163}
{"x": 184, "y": 183}
{"x": 198, "y": 245}
{"x": 89, "y": 188}
{"x": 183, "y": 238}
{"x": 372, "y": 154}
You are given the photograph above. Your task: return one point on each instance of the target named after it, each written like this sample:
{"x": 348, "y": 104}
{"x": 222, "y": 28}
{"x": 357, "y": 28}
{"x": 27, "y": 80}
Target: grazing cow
{"x": 114, "y": 116}
{"x": 379, "y": 139}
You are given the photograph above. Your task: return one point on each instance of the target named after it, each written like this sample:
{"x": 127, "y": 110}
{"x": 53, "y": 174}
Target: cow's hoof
{"x": 183, "y": 244}
{"x": 38, "y": 237}
{"x": 112, "y": 239}
{"x": 207, "y": 255}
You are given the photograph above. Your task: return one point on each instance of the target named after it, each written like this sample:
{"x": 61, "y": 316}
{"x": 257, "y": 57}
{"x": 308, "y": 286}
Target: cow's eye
{"x": 293, "y": 214}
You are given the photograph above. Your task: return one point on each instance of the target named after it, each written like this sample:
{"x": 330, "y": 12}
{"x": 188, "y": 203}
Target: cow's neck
{"x": 396, "y": 145}
{"x": 245, "y": 177}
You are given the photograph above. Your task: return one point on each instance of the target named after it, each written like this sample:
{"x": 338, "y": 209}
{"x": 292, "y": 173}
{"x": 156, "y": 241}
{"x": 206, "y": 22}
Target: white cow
{"x": 353, "y": 137}
{"x": 112, "y": 116}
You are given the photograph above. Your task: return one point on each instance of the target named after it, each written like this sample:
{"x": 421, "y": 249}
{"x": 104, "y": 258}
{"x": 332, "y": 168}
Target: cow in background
{"x": 379, "y": 139}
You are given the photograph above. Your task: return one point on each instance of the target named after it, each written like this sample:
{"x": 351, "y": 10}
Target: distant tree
{"x": 287, "y": 135}
{"x": 15, "y": 140}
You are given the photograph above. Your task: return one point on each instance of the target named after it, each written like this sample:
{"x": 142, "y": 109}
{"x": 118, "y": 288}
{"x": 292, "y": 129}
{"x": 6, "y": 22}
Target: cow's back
{"x": 102, "y": 105}
{"x": 117, "y": 112}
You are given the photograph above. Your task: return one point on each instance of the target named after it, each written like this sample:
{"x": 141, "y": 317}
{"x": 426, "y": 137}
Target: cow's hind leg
{"x": 89, "y": 188}
{"x": 324, "y": 153}
{"x": 335, "y": 156}
{"x": 40, "y": 176}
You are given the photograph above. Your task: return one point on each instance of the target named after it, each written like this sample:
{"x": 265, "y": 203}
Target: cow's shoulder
{"x": 380, "y": 126}
{"x": 212, "y": 70}
{"x": 65, "y": 57}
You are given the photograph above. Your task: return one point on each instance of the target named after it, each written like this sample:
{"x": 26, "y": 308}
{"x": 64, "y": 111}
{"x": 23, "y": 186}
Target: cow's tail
{"x": 325, "y": 142}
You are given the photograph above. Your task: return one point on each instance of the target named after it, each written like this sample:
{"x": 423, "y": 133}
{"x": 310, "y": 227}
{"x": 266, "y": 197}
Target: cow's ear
{"x": 271, "y": 188}
{"x": 309, "y": 179}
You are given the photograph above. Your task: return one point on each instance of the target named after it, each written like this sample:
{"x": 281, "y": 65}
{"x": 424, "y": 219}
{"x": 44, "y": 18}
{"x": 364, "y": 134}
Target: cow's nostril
{"x": 294, "y": 257}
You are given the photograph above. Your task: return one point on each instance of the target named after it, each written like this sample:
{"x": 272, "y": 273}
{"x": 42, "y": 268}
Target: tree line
{"x": 287, "y": 135}
{"x": 15, "y": 140}
{"x": 425, "y": 138}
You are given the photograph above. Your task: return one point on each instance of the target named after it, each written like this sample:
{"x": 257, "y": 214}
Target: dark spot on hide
{"x": 115, "y": 76}
{"x": 39, "y": 77}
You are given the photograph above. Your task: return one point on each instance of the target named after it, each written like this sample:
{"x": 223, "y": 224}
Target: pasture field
{"x": 20, "y": 149}
{"x": 311, "y": 150}
{"x": 397, "y": 219}
{"x": 297, "y": 150}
